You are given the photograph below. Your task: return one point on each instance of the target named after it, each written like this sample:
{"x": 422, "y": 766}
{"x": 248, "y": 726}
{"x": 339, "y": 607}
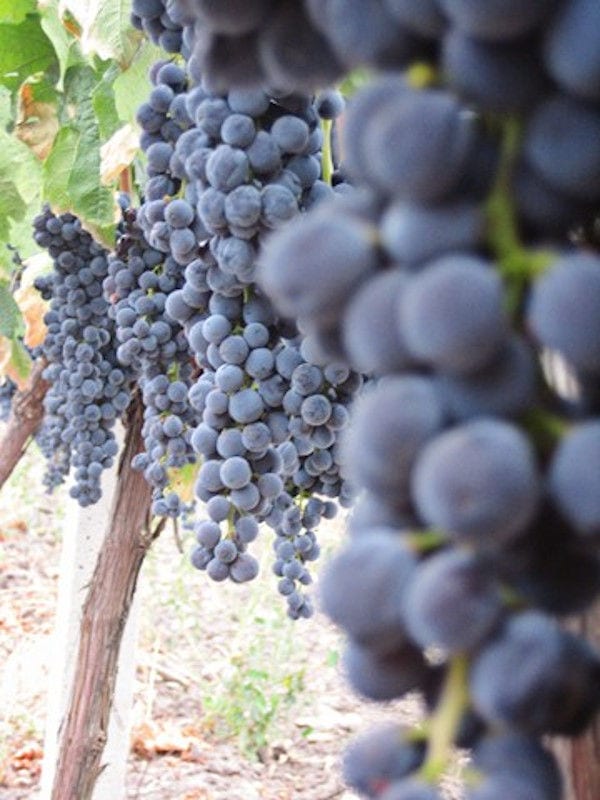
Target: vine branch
{"x": 25, "y": 418}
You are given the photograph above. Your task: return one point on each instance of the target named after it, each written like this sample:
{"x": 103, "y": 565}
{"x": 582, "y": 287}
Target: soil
{"x": 232, "y": 701}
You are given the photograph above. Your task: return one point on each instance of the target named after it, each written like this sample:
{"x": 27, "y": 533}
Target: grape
{"x": 561, "y": 145}
{"x": 229, "y": 443}
{"x": 238, "y": 130}
{"x": 554, "y": 678}
{"x": 208, "y": 533}
{"x": 263, "y": 154}
{"x": 411, "y": 789}
{"x": 380, "y": 756}
{"x": 549, "y": 567}
{"x": 544, "y": 207}
{"x": 414, "y": 234}
{"x": 532, "y": 768}
{"x": 562, "y": 312}
{"x": 364, "y": 32}
{"x": 217, "y": 570}
{"x": 316, "y": 409}
{"x": 306, "y": 379}
{"x": 216, "y": 328}
{"x": 419, "y": 145}
{"x": 496, "y": 76}
{"x": 390, "y": 426}
{"x": 278, "y": 205}
{"x": 477, "y": 482}
{"x": 290, "y": 133}
{"x": 234, "y": 350}
{"x": 293, "y": 53}
{"x": 260, "y": 363}
{"x": 243, "y": 206}
{"x": 574, "y": 475}
{"x": 218, "y": 509}
{"x": 363, "y": 589}
{"x": 451, "y": 314}
{"x": 496, "y": 20}
{"x": 229, "y": 377}
{"x": 571, "y": 54}
{"x": 179, "y": 214}
{"x": 247, "y": 529}
{"x": 333, "y": 254}
{"x": 370, "y": 331}
{"x": 247, "y": 498}
{"x": 232, "y": 16}
{"x": 235, "y": 472}
{"x": 506, "y": 387}
{"x": 451, "y": 602}
{"x": 384, "y": 677}
{"x": 226, "y": 551}
{"x": 227, "y": 167}
{"x": 244, "y": 568}
{"x": 423, "y": 17}
{"x": 329, "y": 104}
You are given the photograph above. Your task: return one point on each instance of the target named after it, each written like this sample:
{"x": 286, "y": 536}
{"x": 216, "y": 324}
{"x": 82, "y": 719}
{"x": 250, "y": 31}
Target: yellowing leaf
{"x": 33, "y": 309}
{"x": 182, "y": 480}
{"x": 118, "y": 153}
{"x": 37, "y": 122}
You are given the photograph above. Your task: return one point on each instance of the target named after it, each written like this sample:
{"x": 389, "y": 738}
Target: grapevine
{"x": 388, "y": 301}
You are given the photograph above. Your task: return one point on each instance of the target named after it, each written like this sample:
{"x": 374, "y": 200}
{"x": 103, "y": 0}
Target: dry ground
{"x": 232, "y": 700}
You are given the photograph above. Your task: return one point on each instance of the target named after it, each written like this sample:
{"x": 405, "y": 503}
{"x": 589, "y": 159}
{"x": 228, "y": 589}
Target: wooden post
{"x": 83, "y": 534}
{"x": 85, "y": 726}
{"x": 580, "y": 758}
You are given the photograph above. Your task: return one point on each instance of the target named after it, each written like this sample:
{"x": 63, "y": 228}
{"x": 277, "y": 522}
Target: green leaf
{"x": 132, "y": 87}
{"x": 103, "y": 101}
{"x": 10, "y": 316}
{"x": 15, "y": 11}
{"x": 71, "y": 173}
{"x": 20, "y": 358}
{"x": 106, "y": 29}
{"x": 12, "y": 205}
{"x": 20, "y": 171}
{"x": 24, "y": 50}
{"x": 6, "y": 108}
{"x": 65, "y": 45}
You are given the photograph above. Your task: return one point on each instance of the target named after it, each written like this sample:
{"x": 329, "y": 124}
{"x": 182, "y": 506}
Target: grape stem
{"x": 516, "y": 263}
{"x": 326, "y": 152}
{"x": 424, "y": 541}
{"x": 231, "y": 522}
{"x": 445, "y": 721}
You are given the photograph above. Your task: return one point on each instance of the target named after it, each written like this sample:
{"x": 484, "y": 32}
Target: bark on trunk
{"x": 580, "y": 758}
{"x": 84, "y": 729}
{"x": 25, "y": 418}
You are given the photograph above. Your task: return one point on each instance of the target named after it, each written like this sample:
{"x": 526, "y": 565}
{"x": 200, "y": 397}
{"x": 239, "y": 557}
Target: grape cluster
{"x": 165, "y": 22}
{"x": 479, "y": 471}
{"x": 224, "y": 171}
{"x": 153, "y": 346}
{"x": 89, "y": 391}
{"x": 306, "y": 44}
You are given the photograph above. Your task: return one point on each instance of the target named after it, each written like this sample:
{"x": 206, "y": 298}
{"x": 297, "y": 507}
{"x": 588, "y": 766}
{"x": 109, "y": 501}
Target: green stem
{"x": 326, "y": 152}
{"x": 424, "y": 541}
{"x": 421, "y": 75}
{"x": 231, "y": 522}
{"x": 503, "y": 233}
{"x": 516, "y": 264}
{"x": 545, "y": 428}
{"x": 446, "y": 719}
